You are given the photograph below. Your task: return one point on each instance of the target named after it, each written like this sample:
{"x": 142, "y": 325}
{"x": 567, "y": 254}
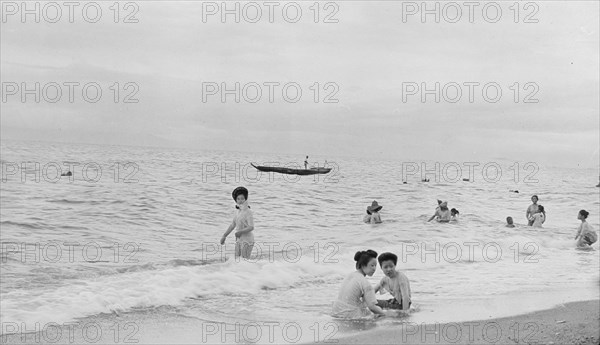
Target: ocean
{"x": 136, "y": 230}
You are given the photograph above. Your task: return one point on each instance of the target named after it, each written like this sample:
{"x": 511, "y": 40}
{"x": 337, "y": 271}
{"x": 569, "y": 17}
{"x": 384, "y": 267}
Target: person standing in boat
{"x": 243, "y": 222}
{"x": 306, "y": 163}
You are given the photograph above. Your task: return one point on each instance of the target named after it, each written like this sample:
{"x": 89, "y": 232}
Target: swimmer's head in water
{"x": 583, "y": 214}
{"x": 534, "y": 197}
{"x": 367, "y": 261}
{"x": 509, "y": 220}
{"x": 454, "y": 212}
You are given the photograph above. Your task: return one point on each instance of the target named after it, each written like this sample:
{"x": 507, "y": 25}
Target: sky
{"x": 371, "y": 62}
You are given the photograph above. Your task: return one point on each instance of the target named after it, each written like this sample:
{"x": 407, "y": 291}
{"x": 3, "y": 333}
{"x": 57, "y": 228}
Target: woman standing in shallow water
{"x": 356, "y": 299}
{"x": 243, "y": 222}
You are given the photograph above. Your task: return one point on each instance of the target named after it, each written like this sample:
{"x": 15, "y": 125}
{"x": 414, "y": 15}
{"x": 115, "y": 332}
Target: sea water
{"x": 137, "y": 229}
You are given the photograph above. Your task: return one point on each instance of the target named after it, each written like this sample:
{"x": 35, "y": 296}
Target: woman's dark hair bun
{"x": 363, "y": 257}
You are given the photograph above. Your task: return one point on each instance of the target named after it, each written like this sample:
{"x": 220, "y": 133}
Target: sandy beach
{"x": 572, "y": 323}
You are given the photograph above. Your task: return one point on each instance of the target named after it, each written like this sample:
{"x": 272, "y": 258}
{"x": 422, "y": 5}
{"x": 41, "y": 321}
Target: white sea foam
{"x": 153, "y": 288}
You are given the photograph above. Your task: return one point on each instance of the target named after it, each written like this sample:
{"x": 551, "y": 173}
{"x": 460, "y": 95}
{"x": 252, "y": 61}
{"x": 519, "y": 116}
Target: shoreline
{"x": 570, "y": 323}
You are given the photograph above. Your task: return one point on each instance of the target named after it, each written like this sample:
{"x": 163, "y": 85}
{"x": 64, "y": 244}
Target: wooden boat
{"x": 290, "y": 171}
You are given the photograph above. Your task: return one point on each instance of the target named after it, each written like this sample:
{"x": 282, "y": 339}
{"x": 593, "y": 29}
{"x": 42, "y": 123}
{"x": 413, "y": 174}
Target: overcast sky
{"x": 368, "y": 56}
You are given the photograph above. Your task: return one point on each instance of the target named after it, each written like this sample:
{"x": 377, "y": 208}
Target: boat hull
{"x": 290, "y": 171}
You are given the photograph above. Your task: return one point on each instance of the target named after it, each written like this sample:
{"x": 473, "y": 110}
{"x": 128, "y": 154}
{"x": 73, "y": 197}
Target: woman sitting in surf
{"x": 356, "y": 299}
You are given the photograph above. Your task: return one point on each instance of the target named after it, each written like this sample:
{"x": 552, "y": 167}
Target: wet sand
{"x": 572, "y": 323}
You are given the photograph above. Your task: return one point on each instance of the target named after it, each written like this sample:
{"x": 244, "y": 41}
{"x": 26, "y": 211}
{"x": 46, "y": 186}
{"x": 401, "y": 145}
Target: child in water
{"x": 538, "y": 218}
{"x": 586, "y": 234}
{"x": 454, "y": 214}
{"x": 509, "y": 222}
{"x": 373, "y": 215}
{"x": 395, "y": 282}
{"x": 243, "y": 222}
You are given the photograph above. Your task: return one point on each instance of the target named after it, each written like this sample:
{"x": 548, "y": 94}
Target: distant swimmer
{"x": 454, "y": 214}
{"x": 509, "y": 222}
{"x": 373, "y": 215}
{"x": 513, "y": 191}
{"x": 68, "y": 173}
{"x": 442, "y": 213}
{"x": 531, "y": 209}
{"x": 306, "y": 163}
{"x": 585, "y": 233}
{"x": 539, "y": 217}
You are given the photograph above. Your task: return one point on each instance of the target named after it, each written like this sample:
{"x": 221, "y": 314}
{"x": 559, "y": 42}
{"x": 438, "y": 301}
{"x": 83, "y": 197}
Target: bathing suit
{"x": 391, "y": 304}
